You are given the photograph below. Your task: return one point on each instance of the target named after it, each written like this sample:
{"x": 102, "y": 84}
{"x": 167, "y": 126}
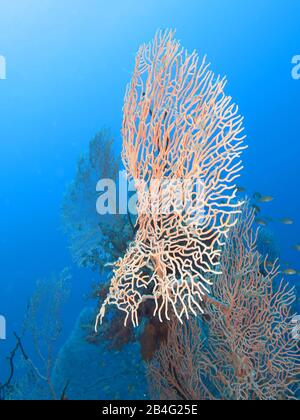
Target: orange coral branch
{"x": 178, "y": 125}
{"x": 249, "y": 350}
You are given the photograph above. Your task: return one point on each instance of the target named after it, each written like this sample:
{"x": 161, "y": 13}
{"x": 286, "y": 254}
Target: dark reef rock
{"x": 94, "y": 372}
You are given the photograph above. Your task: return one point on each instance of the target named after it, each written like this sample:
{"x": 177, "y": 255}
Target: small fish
{"x": 261, "y": 222}
{"x": 296, "y": 247}
{"x": 290, "y": 272}
{"x": 257, "y": 196}
{"x": 270, "y": 264}
{"x": 286, "y": 221}
{"x": 266, "y": 199}
{"x": 241, "y": 189}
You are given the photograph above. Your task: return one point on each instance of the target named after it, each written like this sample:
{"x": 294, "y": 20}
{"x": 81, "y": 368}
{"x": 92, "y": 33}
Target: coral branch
{"x": 248, "y": 351}
{"x": 180, "y": 132}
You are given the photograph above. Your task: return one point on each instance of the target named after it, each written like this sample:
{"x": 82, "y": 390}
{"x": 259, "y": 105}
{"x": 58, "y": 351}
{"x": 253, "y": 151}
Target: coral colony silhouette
{"x": 178, "y": 126}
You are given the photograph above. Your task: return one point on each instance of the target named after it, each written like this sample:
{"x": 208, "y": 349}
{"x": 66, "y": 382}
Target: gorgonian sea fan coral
{"x": 94, "y": 240}
{"x": 246, "y": 350}
{"x": 178, "y": 125}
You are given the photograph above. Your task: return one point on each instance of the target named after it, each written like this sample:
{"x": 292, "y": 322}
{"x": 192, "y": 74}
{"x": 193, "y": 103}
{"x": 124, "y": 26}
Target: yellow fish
{"x": 286, "y": 221}
{"x": 290, "y": 272}
{"x": 266, "y": 199}
{"x": 261, "y": 222}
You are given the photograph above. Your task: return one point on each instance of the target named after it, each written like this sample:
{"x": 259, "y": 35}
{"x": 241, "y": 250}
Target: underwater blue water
{"x": 67, "y": 67}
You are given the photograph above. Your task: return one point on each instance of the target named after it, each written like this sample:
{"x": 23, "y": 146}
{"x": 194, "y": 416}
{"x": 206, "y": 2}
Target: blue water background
{"x": 67, "y": 66}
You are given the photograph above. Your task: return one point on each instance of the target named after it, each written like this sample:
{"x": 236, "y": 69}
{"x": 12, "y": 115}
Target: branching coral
{"x": 95, "y": 240}
{"x": 254, "y": 335}
{"x": 175, "y": 371}
{"x": 179, "y": 128}
{"x": 30, "y": 372}
{"x": 245, "y": 349}
{"x": 43, "y": 323}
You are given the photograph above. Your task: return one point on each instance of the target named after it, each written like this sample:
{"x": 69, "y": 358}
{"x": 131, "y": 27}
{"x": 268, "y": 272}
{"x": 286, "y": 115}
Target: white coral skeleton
{"x": 178, "y": 125}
